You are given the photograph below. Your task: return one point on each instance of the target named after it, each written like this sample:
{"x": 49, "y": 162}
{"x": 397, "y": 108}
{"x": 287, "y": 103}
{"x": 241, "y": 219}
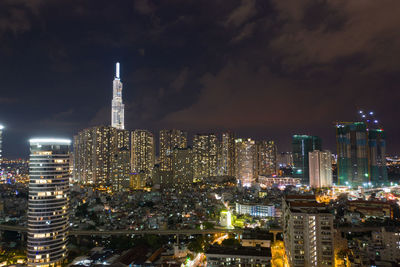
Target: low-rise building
{"x": 256, "y": 210}
{"x": 238, "y": 256}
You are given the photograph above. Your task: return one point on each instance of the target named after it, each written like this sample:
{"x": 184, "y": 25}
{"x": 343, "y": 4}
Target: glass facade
{"x": 301, "y": 145}
{"x": 361, "y": 154}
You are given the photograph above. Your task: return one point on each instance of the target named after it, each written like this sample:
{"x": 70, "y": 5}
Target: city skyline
{"x": 238, "y": 67}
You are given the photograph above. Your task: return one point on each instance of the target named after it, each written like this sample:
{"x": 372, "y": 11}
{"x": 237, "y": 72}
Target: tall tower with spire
{"x": 117, "y": 110}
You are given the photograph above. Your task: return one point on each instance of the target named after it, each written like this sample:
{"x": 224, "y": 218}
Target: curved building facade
{"x": 48, "y": 206}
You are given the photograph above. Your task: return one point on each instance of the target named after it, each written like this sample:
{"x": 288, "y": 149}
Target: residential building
{"x": 182, "y": 167}
{"x": 48, "y": 202}
{"x": 246, "y": 161}
{"x": 285, "y": 159}
{"x": 205, "y": 148}
{"x": 142, "y": 151}
{"x": 226, "y": 156}
{"x": 120, "y": 170}
{"x": 94, "y": 150}
{"x": 320, "y": 169}
{"x": 170, "y": 139}
{"x": 238, "y": 256}
{"x": 266, "y": 158}
{"x": 308, "y": 232}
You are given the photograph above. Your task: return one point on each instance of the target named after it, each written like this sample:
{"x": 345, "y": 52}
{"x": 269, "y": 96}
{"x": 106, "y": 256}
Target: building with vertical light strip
{"x": 48, "y": 205}
{"x": 320, "y": 163}
{"x": 169, "y": 140}
{"x": 117, "y": 107}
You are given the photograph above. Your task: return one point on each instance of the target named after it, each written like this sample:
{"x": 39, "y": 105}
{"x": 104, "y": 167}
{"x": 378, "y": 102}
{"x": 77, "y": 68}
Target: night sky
{"x": 265, "y": 69}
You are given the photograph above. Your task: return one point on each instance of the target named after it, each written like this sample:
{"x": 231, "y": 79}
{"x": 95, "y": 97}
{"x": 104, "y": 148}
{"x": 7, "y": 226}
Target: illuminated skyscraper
{"x": 142, "y": 151}
{"x": 94, "y": 150}
{"x": 266, "y": 158}
{"x": 1, "y": 144}
{"x": 48, "y": 206}
{"x": 205, "y": 148}
{"x": 320, "y": 170}
{"x": 246, "y": 161}
{"x": 227, "y": 155}
{"x": 361, "y": 154}
{"x": 301, "y": 145}
{"x": 170, "y": 139}
{"x": 117, "y": 107}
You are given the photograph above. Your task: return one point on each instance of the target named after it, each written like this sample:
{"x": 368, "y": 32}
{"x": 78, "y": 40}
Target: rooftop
{"x": 240, "y": 251}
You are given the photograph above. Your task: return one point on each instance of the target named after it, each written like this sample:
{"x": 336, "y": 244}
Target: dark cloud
{"x": 265, "y": 69}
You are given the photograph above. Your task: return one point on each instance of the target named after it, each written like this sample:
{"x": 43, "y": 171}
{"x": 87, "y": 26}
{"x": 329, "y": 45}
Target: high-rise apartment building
{"x": 182, "y": 167}
{"x": 266, "y": 158}
{"x": 142, "y": 151}
{"x": 307, "y": 232}
{"x": 120, "y": 170}
{"x": 48, "y": 206}
{"x": 117, "y": 107}
{"x": 170, "y": 139}
{"x": 361, "y": 154}
{"x": 226, "y": 155}
{"x": 94, "y": 151}
{"x": 205, "y": 150}
{"x": 285, "y": 159}
{"x": 320, "y": 170}
{"x": 1, "y": 144}
{"x": 301, "y": 145}
{"x": 246, "y": 161}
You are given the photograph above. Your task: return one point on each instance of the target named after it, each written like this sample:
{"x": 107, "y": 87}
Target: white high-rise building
{"x": 307, "y": 232}
{"x": 48, "y": 205}
{"x": 320, "y": 164}
{"x": 117, "y": 111}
